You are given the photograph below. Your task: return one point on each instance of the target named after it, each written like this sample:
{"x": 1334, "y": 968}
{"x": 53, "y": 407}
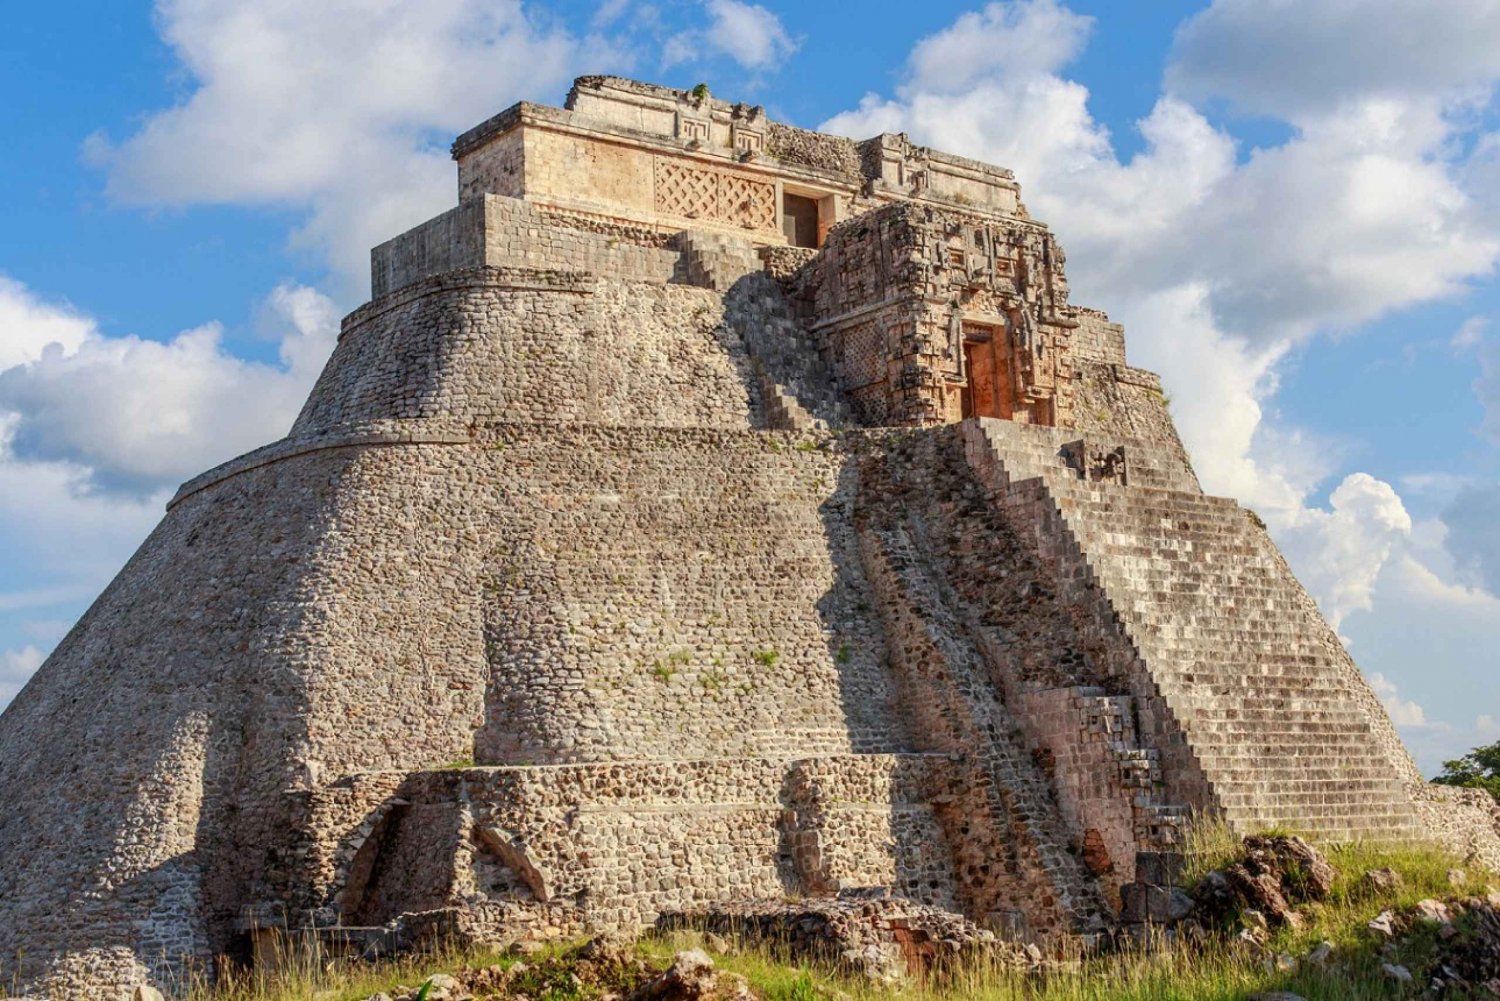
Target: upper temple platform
{"x": 676, "y": 159}
{"x": 918, "y": 276}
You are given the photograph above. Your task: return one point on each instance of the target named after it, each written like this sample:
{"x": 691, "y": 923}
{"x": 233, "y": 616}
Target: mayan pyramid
{"x": 704, "y": 509}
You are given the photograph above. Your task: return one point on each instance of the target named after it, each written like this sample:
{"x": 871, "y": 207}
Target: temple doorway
{"x": 799, "y": 220}
{"x": 982, "y": 394}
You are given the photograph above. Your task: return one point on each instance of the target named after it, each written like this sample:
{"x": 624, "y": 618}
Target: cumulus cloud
{"x": 1290, "y": 57}
{"x": 1340, "y": 551}
{"x": 139, "y": 414}
{"x": 96, "y": 432}
{"x": 29, "y": 326}
{"x": 1404, "y": 713}
{"x": 15, "y": 667}
{"x": 748, "y": 33}
{"x": 1427, "y": 632}
{"x": 1472, "y": 519}
{"x": 1004, "y": 39}
{"x": 342, "y": 108}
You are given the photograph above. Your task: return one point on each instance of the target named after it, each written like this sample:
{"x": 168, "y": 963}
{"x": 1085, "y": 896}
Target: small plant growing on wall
{"x": 665, "y": 670}
{"x": 699, "y": 93}
{"x": 766, "y": 658}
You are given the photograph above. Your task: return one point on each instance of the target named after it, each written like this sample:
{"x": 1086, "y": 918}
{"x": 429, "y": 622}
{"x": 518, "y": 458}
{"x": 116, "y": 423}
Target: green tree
{"x": 1479, "y": 769}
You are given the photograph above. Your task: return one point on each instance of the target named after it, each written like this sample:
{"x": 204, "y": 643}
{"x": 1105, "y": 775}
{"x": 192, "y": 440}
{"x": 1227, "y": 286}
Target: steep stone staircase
{"x": 1252, "y": 674}
{"x": 798, "y": 390}
{"x": 994, "y": 663}
{"x": 714, "y": 260}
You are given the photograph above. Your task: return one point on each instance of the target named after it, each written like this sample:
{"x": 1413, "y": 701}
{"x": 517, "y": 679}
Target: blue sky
{"x": 1294, "y": 207}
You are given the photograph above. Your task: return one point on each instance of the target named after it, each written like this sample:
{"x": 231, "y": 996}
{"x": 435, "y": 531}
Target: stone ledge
{"x": 430, "y": 432}
{"x": 289, "y": 448}
{"x": 485, "y": 276}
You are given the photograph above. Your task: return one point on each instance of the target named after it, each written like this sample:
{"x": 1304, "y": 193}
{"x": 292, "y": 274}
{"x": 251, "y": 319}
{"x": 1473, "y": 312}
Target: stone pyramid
{"x": 704, "y": 510}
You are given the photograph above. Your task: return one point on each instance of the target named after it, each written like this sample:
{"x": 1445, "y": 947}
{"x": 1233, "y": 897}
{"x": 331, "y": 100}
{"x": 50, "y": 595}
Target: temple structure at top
{"x": 945, "y": 300}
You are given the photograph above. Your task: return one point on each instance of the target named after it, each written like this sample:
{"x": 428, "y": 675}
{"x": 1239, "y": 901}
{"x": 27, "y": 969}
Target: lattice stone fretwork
{"x": 747, "y": 202}
{"x": 691, "y": 192}
{"x": 686, "y": 191}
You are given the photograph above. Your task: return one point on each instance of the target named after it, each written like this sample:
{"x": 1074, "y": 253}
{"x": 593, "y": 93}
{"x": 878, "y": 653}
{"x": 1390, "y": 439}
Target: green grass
{"x": 1215, "y": 969}
{"x": 306, "y": 973}
{"x": 1208, "y": 844}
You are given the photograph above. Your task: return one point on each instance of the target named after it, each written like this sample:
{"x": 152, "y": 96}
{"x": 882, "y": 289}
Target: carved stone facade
{"x": 703, "y": 510}
{"x": 931, "y": 316}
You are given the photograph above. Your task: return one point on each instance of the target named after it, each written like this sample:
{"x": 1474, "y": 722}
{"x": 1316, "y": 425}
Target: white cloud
{"x": 1360, "y": 213}
{"x": 16, "y": 666}
{"x": 1404, "y": 713}
{"x": 1291, "y": 57}
{"x": 1428, "y": 634}
{"x": 96, "y": 432}
{"x": 29, "y": 326}
{"x": 1339, "y": 552}
{"x": 1003, "y": 39}
{"x": 1470, "y": 333}
{"x": 140, "y": 414}
{"x": 343, "y": 108}
{"x": 1472, "y": 520}
{"x": 748, "y": 33}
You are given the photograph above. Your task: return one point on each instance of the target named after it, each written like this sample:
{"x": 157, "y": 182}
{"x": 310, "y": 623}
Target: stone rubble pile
{"x": 879, "y": 938}
{"x": 1274, "y": 875}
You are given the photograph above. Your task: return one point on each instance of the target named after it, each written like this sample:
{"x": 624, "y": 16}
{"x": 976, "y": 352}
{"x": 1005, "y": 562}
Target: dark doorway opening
{"x": 799, "y": 220}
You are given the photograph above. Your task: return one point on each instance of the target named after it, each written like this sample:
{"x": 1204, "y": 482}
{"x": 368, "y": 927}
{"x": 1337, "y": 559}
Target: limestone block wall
{"x": 1051, "y": 653}
{"x": 646, "y": 677}
{"x": 612, "y": 845}
{"x": 452, "y": 240}
{"x": 975, "y": 633}
{"x": 506, "y": 232}
{"x": 1120, "y": 402}
{"x": 807, "y": 148}
{"x": 526, "y": 345}
{"x": 1109, "y": 782}
{"x": 1095, "y": 339}
{"x": 575, "y": 162}
{"x": 366, "y": 625}
{"x": 922, "y": 311}
{"x": 693, "y": 594}
{"x": 499, "y": 170}
{"x": 896, "y": 166}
